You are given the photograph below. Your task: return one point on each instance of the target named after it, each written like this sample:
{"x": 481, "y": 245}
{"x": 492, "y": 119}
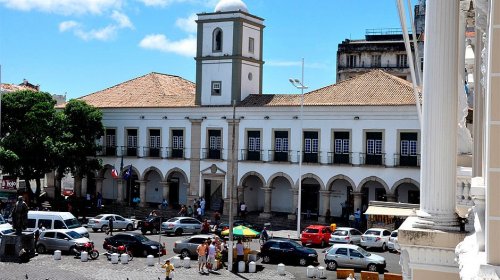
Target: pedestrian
{"x": 164, "y": 204}
{"x": 357, "y": 217}
{"x": 212, "y": 250}
{"x": 190, "y": 211}
{"x": 243, "y": 210}
{"x": 202, "y": 256}
{"x": 240, "y": 251}
{"x": 350, "y": 277}
{"x": 110, "y": 225}
{"x": 202, "y": 205}
{"x": 224, "y": 253}
{"x": 351, "y": 220}
{"x": 216, "y": 218}
{"x": 205, "y": 227}
{"x": 199, "y": 213}
{"x": 263, "y": 235}
{"x": 99, "y": 200}
{"x": 169, "y": 270}
{"x": 183, "y": 211}
{"x": 38, "y": 231}
{"x": 327, "y": 215}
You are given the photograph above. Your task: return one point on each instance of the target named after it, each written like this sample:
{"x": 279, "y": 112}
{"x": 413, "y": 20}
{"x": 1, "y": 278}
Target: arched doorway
{"x": 177, "y": 188}
{"x": 341, "y": 199}
{"x": 310, "y": 198}
{"x": 408, "y": 193}
{"x": 282, "y": 196}
{"x": 154, "y": 190}
{"x": 253, "y": 196}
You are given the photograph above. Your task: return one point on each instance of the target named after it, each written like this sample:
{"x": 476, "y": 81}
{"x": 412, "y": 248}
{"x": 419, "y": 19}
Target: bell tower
{"x": 229, "y": 54}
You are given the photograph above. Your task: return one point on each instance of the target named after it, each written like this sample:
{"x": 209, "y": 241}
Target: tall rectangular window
{"x": 374, "y": 147}
{"x": 177, "y": 149}
{"x": 154, "y": 138}
{"x": 216, "y": 87}
{"x": 341, "y": 153}
{"x": 131, "y": 142}
{"x": 376, "y": 60}
{"x": 214, "y": 144}
{"x": 110, "y": 138}
{"x": 251, "y": 46}
{"x": 408, "y": 149}
{"x": 351, "y": 61}
{"x": 374, "y": 153}
{"x": 281, "y": 146}
{"x": 402, "y": 60}
{"x": 253, "y": 145}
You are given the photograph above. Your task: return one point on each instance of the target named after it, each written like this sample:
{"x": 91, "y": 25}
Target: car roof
{"x": 349, "y": 246}
{"x": 127, "y": 233}
{"x": 5, "y": 226}
{"x": 58, "y": 230}
{"x": 202, "y": 236}
{"x": 381, "y": 229}
{"x": 344, "y": 228}
{"x": 316, "y": 226}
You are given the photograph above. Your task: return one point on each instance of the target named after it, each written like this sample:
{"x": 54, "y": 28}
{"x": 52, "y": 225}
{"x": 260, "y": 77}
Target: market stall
{"x": 245, "y": 234}
{"x": 388, "y": 215}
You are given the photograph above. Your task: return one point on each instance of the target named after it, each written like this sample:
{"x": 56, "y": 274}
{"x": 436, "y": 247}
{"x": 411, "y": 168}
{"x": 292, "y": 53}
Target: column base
{"x": 437, "y": 221}
{"x": 292, "y": 217}
{"x": 265, "y": 215}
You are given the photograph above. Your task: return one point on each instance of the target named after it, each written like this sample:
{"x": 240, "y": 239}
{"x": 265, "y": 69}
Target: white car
{"x": 101, "y": 222}
{"x": 346, "y": 235}
{"x": 376, "y": 237}
{"x": 5, "y": 229}
{"x": 393, "y": 241}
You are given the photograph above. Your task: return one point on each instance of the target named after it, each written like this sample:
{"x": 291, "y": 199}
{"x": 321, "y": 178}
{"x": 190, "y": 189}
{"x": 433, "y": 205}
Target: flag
{"x": 114, "y": 173}
{"x": 127, "y": 173}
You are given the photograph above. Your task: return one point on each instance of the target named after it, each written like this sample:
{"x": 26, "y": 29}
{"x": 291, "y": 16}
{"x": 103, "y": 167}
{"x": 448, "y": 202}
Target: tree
{"x": 29, "y": 135}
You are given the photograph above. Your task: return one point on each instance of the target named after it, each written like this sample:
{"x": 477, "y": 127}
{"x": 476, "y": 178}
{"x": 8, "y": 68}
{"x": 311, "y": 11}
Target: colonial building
{"x": 360, "y": 138}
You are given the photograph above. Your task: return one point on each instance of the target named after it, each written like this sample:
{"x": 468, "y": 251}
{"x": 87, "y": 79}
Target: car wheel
{"x": 154, "y": 231}
{"x": 178, "y": 231}
{"x": 331, "y": 265}
{"x": 184, "y": 254}
{"x": 72, "y": 250}
{"x": 130, "y": 227}
{"x": 94, "y": 230}
{"x": 266, "y": 259}
{"x": 104, "y": 228}
{"x": 384, "y": 247}
{"x": 302, "y": 261}
{"x": 41, "y": 249}
{"x": 372, "y": 267}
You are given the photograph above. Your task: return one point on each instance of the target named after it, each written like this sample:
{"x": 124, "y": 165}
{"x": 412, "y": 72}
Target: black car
{"x": 286, "y": 250}
{"x": 139, "y": 244}
{"x": 225, "y": 225}
{"x": 151, "y": 224}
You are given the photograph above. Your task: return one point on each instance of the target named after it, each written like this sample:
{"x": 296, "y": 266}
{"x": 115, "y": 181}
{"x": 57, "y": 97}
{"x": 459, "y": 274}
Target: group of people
{"x": 212, "y": 254}
{"x": 195, "y": 211}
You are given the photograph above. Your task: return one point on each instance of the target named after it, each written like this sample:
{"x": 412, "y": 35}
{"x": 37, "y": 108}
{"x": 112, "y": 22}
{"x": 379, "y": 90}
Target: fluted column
{"x": 119, "y": 195}
{"x": 98, "y": 184}
{"x": 439, "y": 116}
{"x": 142, "y": 192}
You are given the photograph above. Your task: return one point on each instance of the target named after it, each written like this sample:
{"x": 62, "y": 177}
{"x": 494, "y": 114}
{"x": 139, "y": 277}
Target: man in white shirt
{"x": 199, "y": 212}
{"x": 211, "y": 257}
{"x": 202, "y": 205}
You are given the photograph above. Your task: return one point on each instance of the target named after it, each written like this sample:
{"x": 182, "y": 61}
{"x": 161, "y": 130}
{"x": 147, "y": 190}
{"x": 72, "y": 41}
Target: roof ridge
{"x": 114, "y": 86}
{"x": 156, "y": 81}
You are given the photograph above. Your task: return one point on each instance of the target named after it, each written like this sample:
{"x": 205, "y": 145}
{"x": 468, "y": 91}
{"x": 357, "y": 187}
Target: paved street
{"x": 45, "y": 267}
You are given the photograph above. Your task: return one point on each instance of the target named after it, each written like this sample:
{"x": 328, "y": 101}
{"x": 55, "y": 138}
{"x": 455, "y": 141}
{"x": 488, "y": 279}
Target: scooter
{"x": 121, "y": 249}
{"x": 86, "y": 247}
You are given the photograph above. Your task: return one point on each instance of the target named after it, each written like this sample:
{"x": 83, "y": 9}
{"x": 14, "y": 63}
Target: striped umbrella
{"x": 241, "y": 231}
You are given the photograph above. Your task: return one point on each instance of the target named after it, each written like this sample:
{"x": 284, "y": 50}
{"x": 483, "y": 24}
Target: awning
{"x": 388, "y": 211}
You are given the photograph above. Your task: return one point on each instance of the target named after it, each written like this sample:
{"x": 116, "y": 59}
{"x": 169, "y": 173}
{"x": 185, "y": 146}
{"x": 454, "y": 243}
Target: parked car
{"x": 225, "y": 225}
{"x": 54, "y": 220}
{"x": 6, "y": 229}
{"x": 187, "y": 246}
{"x": 346, "y": 235}
{"x": 101, "y": 222}
{"x": 393, "y": 241}
{"x": 353, "y": 256}
{"x": 59, "y": 239}
{"x": 376, "y": 237}
{"x": 151, "y": 223}
{"x": 286, "y": 250}
{"x": 316, "y": 235}
{"x": 139, "y": 244}
{"x": 180, "y": 225}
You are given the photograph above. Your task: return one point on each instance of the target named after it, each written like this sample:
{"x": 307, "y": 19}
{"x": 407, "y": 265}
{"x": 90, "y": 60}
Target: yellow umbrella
{"x": 241, "y": 231}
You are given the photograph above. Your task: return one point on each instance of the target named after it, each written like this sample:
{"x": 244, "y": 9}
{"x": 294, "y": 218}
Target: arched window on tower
{"x": 217, "y": 40}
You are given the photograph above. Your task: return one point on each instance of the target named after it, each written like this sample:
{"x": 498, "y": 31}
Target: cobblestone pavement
{"x": 45, "y": 267}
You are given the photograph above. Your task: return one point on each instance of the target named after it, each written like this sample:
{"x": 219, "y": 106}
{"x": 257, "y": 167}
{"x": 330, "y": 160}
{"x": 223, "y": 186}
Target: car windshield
{"x": 74, "y": 234}
{"x": 340, "y": 232}
{"x": 295, "y": 244}
{"x": 98, "y": 217}
{"x": 7, "y": 231}
{"x": 372, "y": 232}
{"x": 363, "y": 252}
{"x": 311, "y": 230}
{"x": 142, "y": 238}
{"x": 173, "y": 220}
{"x": 72, "y": 223}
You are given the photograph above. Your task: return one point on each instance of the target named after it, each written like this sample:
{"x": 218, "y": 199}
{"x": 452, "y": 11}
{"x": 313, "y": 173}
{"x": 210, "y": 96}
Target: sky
{"x": 77, "y": 47}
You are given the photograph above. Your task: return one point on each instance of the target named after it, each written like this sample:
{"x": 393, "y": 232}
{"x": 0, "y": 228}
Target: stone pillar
{"x": 240, "y": 194}
{"x": 98, "y": 184}
{"x": 478, "y": 114}
{"x": 166, "y": 191}
{"x": 293, "y": 215}
{"x": 142, "y": 192}
{"x": 232, "y": 164}
{"x": 77, "y": 186}
{"x": 194, "y": 162}
{"x": 267, "y": 203}
{"x": 391, "y": 197}
{"x": 325, "y": 197}
{"x": 439, "y": 119}
{"x": 358, "y": 200}
{"x": 119, "y": 195}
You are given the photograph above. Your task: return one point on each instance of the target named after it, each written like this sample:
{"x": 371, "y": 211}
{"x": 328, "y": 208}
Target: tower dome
{"x": 231, "y": 6}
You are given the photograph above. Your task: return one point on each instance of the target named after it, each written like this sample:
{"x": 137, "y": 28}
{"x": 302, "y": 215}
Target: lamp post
{"x": 300, "y": 85}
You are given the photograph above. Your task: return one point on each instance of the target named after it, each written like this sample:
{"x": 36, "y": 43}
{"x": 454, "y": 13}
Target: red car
{"x": 316, "y": 234}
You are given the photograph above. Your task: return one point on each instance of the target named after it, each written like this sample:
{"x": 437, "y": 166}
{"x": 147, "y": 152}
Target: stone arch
{"x": 178, "y": 188}
{"x": 371, "y": 179}
{"x": 340, "y": 177}
{"x": 280, "y": 174}
{"x": 406, "y": 190}
{"x": 134, "y": 170}
{"x": 252, "y": 173}
{"x": 151, "y": 168}
{"x": 312, "y": 176}
{"x": 405, "y": 180}
{"x": 102, "y": 171}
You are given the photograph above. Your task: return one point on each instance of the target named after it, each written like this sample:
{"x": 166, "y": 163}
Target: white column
{"x": 439, "y": 124}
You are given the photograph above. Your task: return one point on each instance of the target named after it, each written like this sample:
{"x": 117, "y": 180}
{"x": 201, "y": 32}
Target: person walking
{"x": 357, "y": 218}
{"x": 169, "y": 270}
{"x": 205, "y": 227}
{"x": 202, "y": 256}
{"x": 264, "y": 235}
{"x": 199, "y": 213}
{"x": 110, "y": 226}
{"x": 190, "y": 211}
{"x": 240, "y": 251}
{"x": 202, "y": 206}
{"x": 99, "y": 200}
{"x": 211, "y": 257}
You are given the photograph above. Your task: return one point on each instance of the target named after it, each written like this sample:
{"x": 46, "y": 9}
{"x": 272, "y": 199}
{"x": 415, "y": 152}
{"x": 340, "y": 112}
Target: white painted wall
{"x": 154, "y": 191}
{"x": 220, "y": 70}
{"x": 338, "y": 196}
{"x": 227, "y": 38}
{"x": 282, "y": 197}
{"x": 249, "y": 86}
{"x": 254, "y": 32}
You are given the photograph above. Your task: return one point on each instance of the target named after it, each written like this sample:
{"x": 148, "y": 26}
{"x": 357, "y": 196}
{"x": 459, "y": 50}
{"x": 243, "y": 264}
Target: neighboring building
{"x": 382, "y": 49}
{"x": 361, "y": 137}
{"x": 26, "y": 85}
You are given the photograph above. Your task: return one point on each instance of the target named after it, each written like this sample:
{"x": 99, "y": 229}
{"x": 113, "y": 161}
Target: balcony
{"x": 251, "y": 155}
{"x": 339, "y": 158}
{"x": 108, "y": 151}
{"x": 308, "y": 157}
{"x": 367, "y": 66}
{"x": 175, "y": 153}
{"x": 211, "y": 153}
{"x": 155, "y": 152}
{"x": 279, "y": 156}
{"x": 372, "y": 159}
{"x": 407, "y": 161}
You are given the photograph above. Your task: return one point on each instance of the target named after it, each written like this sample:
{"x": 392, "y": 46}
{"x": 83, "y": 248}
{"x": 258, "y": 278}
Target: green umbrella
{"x": 241, "y": 231}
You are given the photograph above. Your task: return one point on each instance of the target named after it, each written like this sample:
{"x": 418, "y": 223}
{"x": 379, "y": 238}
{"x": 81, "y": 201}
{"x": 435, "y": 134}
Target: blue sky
{"x": 82, "y": 46}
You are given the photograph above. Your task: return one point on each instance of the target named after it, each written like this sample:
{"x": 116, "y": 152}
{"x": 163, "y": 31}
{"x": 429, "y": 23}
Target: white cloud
{"x": 185, "y": 47}
{"x": 187, "y": 24}
{"x": 64, "y": 7}
{"x": 102, "y": 34}
{"x": 67, "y": 25}
{"x": 161, "y": 3}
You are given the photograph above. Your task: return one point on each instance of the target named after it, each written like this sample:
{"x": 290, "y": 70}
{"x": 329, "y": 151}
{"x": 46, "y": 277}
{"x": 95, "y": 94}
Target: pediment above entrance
{"x": 213, "y": 170}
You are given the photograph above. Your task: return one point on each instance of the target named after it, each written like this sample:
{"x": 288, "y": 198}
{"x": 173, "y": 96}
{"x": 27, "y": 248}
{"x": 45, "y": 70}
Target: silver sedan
{"x": 346, "y": 235}
{"x": 180, "y": 225}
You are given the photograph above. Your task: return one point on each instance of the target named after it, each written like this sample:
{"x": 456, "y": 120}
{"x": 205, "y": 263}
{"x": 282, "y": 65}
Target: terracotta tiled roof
{"x": 12, "y": 87}
{"x": 149, "y": 91}
{"x": 375, "y": 88}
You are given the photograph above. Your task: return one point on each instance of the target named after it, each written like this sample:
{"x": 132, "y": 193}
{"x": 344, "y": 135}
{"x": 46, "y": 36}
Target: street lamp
{"x": 298, "y": 84}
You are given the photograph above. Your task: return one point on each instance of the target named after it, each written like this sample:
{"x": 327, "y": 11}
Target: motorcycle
{"x": 121, "y": 249}
{"x": 86, "y": 247}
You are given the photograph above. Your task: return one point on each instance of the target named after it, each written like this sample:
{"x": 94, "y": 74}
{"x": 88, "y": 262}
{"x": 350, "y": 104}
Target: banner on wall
{"x": 8, "y": 183}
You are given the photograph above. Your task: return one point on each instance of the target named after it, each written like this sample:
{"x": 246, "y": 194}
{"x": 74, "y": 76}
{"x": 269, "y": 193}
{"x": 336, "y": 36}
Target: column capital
{"x": 141, "y": 181}
{"x": 266, "y": 189}
{"x": 357, "y": 193}
{"x": 196, "y": 121}
{"x": 165, "y": 183}
{"x": 323, "y": 192}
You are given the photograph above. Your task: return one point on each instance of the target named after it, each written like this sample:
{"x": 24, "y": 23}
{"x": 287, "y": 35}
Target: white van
{"x": 55, "y": 220}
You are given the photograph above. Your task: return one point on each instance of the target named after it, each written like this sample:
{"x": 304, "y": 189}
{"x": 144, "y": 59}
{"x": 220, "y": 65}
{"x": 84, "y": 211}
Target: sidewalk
{"x": 291, "y": 234}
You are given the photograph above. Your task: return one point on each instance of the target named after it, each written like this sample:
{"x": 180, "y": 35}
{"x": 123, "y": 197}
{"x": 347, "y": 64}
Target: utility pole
{"x": 231, "y": 237}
